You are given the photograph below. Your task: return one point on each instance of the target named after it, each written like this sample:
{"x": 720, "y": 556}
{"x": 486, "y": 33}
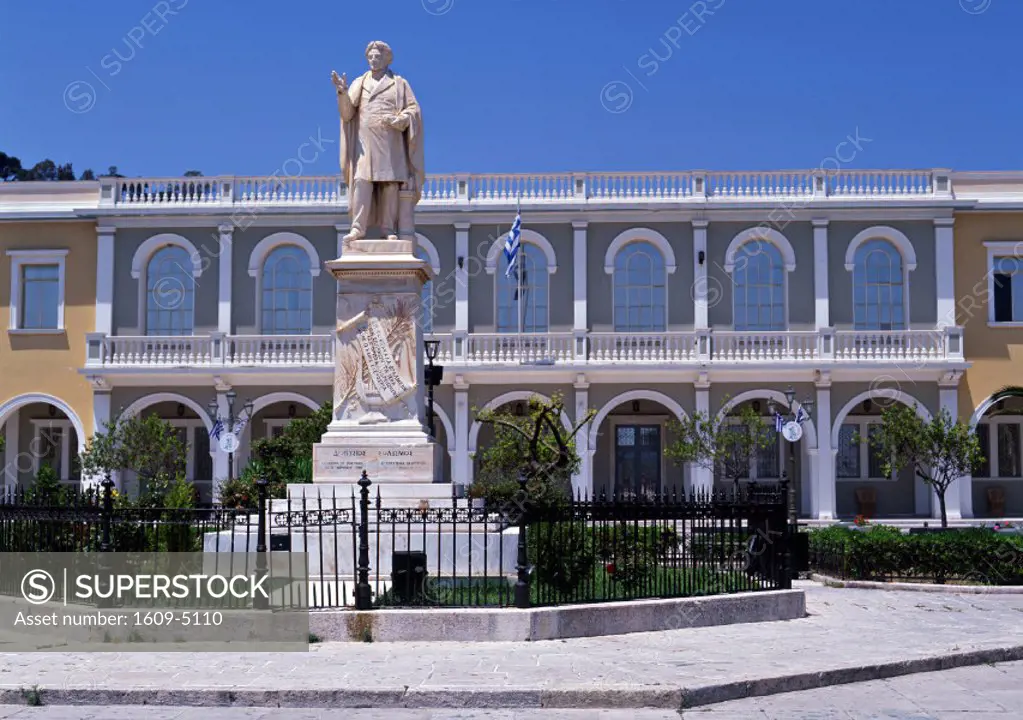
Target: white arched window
{"x": 640, "y": 297}
{"x": 170, "y": 292}
{"x": 426, "y": 299}
{"x": 759, "y": 287}
{"x": 879, "y": 291}
{"x": 522, "y": 295}
{"x": 287, "y": 292}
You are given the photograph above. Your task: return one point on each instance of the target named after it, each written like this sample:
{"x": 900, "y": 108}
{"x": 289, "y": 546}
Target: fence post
{"x": 106, "y": 511}
{"x": 363, "y": 595}
{"x": 786, "y": 538}
{"x": 261, "y": 603}
{"x": 522, "y": 561}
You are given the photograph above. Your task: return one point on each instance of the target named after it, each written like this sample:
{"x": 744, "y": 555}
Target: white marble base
{"x": 392, "y": 495}
{"x": 342, "y": 460}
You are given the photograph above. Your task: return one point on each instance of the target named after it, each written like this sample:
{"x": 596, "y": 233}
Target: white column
{"x": 100, "y": 418}
{"x": 948, "y": 400}
{"x": 700, "y": 308}
{"x": 105, "y": 280}
{"x": 822, "y": 501}
{"x": 462, "y": 277}
{"x": 701, "y": 478}
{"x": 225, "y": 277}
{"x": 944, "y": 268}
{"x": 11, "y": 450}
{"x": 460, "y": 466}
{"x": 582, "y": 481}
{"x": 462, "y": 267}
{"x": 579, "y": 324}
{"x": 821, "y": 292}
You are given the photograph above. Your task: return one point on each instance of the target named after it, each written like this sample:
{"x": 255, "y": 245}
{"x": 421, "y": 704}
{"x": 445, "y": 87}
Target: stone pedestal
{"x": 379, "y": 422}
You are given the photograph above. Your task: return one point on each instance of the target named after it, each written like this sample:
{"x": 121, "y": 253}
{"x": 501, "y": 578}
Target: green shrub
{"x": 881, "y": 553}
{"x": 562, "y": 557}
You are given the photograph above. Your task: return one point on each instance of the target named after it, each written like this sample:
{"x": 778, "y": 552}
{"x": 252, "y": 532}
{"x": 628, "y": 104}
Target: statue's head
{"x": 379, "y": 55}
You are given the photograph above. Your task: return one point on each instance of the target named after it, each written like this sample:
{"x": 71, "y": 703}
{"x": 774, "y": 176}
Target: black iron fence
{"x": 363, "y": 553}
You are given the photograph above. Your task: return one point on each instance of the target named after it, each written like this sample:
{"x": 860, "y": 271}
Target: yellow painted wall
{"x": 50, "y": 363}
{"x": 996, "y": 353}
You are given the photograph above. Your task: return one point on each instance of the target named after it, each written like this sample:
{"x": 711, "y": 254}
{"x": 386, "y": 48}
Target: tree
{"x": 282, "y": 460}
{"x": 727, "y": 449}
{"x": 939, "y": 451}
{"x": 193, "y": 173}
{"x": 10, "y": 167}
{"x": 65, "y": 172}
{"x": 148, "y": 446}
{"x": 533, "y": 445}
{"x": 112, "y": 172}
{"x": 87, "y": 174}
{"x": 42, "y": 170}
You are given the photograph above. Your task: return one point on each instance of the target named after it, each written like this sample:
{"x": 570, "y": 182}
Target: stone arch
{"x": 778, "y": 397}
{"x": 276, "y": 397}
{"x": 147, "y": 400}
{"x": 431, "y": 252}
{"x": 629, "y": 396}
{"x": 265, "y": 246}
{"x": 788, "y": 255}
{"x": 887, "y": 393}
{"x": 140, "y": 259}
{"x": 510, "y": 397}
{"x": 20, "y": 401}
{"x": 635, "y": 235}
{"x": 528, "y": 236}
{"x": 882, "y": 232}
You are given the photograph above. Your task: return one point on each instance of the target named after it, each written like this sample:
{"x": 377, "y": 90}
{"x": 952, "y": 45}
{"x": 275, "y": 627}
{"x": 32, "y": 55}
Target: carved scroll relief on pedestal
{"x": 376, "y": 371}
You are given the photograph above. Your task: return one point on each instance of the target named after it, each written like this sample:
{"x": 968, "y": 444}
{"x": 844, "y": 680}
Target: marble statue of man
{"x": 381, "y": 144}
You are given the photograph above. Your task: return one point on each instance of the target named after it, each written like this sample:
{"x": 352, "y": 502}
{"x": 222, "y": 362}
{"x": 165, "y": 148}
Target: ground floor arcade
{"x": 622, "y": 449}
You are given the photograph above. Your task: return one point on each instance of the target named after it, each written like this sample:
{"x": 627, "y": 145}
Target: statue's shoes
{"x": 392, "y": 238}
{"x": 353, "y": 235}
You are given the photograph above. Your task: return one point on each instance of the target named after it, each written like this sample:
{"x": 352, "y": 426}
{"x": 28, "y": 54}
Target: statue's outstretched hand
{"x": 340, "y": 82}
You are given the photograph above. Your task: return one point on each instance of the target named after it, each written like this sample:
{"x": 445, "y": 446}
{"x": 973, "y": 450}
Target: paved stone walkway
{"x": 846, "y": 630}
{"x": 973, "y": 693}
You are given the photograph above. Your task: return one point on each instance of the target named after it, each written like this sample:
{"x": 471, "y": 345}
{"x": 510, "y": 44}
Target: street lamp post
{"x": 789, "y": 414}
{"x": 432, "y": 377}
{"x": 228, "y": 427}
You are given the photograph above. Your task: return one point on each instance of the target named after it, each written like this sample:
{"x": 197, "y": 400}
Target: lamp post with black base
{"x": 433, "y": 376}
{"x": 226, "y": 436}
{"x": 792, "y": 415}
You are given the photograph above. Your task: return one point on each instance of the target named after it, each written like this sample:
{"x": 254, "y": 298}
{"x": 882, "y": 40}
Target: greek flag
{"x": 778, "y": 422}
{"x": 240, "y": 424}
{"x": 511, "y": 243}
{"x": 218, "y": 427}
{"x": 801, "y": 416}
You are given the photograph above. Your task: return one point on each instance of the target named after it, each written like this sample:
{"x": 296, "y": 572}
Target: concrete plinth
{"x": 379, "y": 398}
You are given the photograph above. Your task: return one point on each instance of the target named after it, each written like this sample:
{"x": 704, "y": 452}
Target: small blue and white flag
{"x": 217, "y": 429}
{"x": 778, "y": 422}
{"x": 511, "y": 243}
{"x": 801, "y": 416}
{"x": 240, "y": 424}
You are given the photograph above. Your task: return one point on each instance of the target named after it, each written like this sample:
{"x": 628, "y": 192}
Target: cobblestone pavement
{"x": 131, "y": 713}
{"x": 984, "y": 692}
{"x": 845, "y": 629}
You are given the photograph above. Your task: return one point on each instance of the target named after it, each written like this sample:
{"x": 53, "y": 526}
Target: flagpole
{"x": 518, "y": 278}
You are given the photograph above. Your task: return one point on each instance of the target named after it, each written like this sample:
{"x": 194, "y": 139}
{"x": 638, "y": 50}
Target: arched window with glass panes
{"x": 758, "y": 293}
{"x": 286, "y": 292}
{"x": 170, "y": 292}
{"x": 879, "y": 287}
{"x": 640, "y": 292}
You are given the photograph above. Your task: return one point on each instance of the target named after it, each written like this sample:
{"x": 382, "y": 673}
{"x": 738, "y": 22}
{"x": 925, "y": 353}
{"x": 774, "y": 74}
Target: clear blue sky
{"x": 517, "y": 85}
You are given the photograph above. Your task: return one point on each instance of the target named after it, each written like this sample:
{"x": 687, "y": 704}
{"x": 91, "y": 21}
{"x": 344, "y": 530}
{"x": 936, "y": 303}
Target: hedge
{"x": 971, "y": 555}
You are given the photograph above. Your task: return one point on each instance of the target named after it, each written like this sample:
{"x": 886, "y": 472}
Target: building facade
{"x": 645, "y": 297}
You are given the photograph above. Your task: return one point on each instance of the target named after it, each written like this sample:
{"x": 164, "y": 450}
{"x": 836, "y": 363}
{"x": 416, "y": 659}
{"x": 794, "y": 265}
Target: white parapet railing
{"x": 718, "y": 347}
{"x": 660, "y": 347}
{"x": 784, "y": 346}
{"x": 538, "y": 188}
{"x": 892, "y": 345}
{"x": 280, "y": 350}
{"x": 499, "y": 348}
{"x": 156, "y": 351}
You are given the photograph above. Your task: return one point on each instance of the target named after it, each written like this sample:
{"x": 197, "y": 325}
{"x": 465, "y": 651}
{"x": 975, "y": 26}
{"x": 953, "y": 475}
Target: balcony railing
{"x": 553, "y": 188}
{"x": 724, "y": 348}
